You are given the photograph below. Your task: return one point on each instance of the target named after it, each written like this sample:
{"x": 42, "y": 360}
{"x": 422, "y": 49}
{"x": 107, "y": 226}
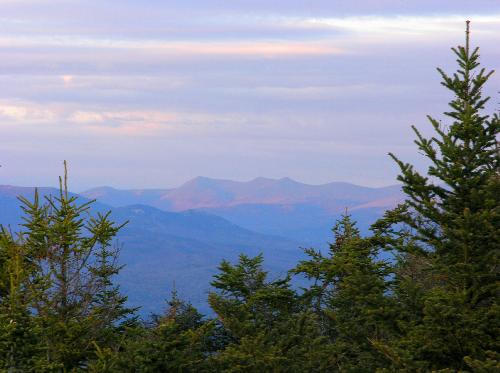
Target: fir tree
{"x": 18, "y": 333}
{"x": 71, "y": 296}
{"x": 348, "y": 293}
{"x": 267, "y": 328}
{"x": 245, "y": 300}
{"x": 108, "y": 310}
{"x": 450, "y": 222}
{"x": 177, "y": 341}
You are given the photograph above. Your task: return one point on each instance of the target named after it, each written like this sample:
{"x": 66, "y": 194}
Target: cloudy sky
{"x": 152, "y": 93}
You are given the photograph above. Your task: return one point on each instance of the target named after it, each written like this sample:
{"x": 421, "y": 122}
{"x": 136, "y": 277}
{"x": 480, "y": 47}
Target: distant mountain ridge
{"x": 282, "y": 207}
{"x": 207, "y": 193}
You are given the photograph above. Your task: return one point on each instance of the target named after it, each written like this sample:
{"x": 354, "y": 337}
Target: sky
{"x": 149, "y": 94}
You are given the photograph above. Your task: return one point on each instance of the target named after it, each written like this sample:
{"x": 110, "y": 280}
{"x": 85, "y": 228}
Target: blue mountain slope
{"x": 161, "y": 248}
{"x": 309, "y": 224}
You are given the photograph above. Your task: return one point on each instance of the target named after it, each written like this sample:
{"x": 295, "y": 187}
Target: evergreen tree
{"x": 267, "y": 328}
{"x": 348, "y": 293}
{"x": 108, "y": 311}
{"x": 246, "y": 301}
{"x": 18, "y": 334}
{"x": 71, "y": 297}
{"x": 177, "y": 341}
{"x": 450, "y": 226}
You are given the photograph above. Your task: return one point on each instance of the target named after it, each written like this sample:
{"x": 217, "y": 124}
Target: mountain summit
{"x": 207, "y": 193}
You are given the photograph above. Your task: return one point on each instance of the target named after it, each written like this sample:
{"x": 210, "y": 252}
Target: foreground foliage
{"x": 433, "y": 307}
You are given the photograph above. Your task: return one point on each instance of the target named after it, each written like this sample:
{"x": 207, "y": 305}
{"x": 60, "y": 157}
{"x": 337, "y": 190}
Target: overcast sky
{"x": 153, "y": 93}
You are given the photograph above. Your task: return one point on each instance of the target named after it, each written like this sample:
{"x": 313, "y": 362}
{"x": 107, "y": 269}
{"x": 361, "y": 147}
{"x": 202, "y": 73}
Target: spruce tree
{"x": 19, "y": 336}
{"x": 349, "y": 295}
{"x": 245, "y": 300}
{"x": 449, "y": 228}
{"x": 267, "y": 328}
{"x": 71, "y": 296}
{"x": 108, "y": 310}
{"x": 179, "y": 340}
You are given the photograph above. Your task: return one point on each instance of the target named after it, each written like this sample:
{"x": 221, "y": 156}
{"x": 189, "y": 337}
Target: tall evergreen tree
{"x": 71, "y": 297}
{"x": 449, "y": 227}
{"x": 246, "y": 301}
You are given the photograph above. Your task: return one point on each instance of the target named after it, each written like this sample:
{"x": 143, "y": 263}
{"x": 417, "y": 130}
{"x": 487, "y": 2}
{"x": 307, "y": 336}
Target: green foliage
{"x": 267, "y": 327}
{"x": 448, "y": 233}
{"x": 60, "y": 288}
{"x": 109, "y": 314}
{"x": 19, "y": 336}
{"x": 293, "y": 346}
{"x": 490, "y": 364}
{"x": 178, "y": 341}
{"x": 246, "y": 301}
{"x": 349, "y": 294}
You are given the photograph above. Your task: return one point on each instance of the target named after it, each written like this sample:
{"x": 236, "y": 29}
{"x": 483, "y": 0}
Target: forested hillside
{"x": 433, "y": 308}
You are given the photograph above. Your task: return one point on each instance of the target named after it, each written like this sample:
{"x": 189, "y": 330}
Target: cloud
{"x": 86, "y": 117}
{"x": 243, "y": 48}
{"x": 371, "y": 28}
{"x": 323, "y": 89}
{"x": 25, "y": 113}
{"x": 323, "y": 92}
{"x": 273, "y": 48}
{"x": 124, "y": 123}
{"x": 67, "y": 79}
{"x": 121, "y": 116}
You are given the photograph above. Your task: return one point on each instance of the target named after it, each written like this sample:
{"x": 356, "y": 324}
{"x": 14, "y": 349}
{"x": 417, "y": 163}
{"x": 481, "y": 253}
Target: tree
{"x": 349, "y": 295}
{"x": 66, "y": 276}
{"x": 450, "y": 223}
{"x": 19, "y": 335}
{"x": 246, "y": 301}
{"x": 180, "y": 340}
{"x": 108, "y": 311}
{"x": 267, "y": 328}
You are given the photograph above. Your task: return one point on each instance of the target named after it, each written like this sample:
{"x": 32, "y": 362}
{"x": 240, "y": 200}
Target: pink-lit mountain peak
{"x": 204, "y": 192}
{"x": 207, "y": 192}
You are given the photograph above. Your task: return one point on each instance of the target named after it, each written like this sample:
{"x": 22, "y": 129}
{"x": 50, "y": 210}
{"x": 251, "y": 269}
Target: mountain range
{"x": 203, "y": 192}
{"x": 283, "y": 207}
{"x": 177, "y": 237}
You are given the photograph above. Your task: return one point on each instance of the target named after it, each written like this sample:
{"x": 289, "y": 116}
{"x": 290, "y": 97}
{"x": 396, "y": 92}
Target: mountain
{"x": 282, "y": 207}
{"x": 162, "y": 248}
{"x": 203, "y": 192}
{"x": 308, "y": 224}
{"x": 181, "y": 234}
{"x": 119, "y": 198}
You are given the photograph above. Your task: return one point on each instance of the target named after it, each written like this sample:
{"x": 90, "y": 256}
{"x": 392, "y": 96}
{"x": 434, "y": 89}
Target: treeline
{"x": 433, "y": 307}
